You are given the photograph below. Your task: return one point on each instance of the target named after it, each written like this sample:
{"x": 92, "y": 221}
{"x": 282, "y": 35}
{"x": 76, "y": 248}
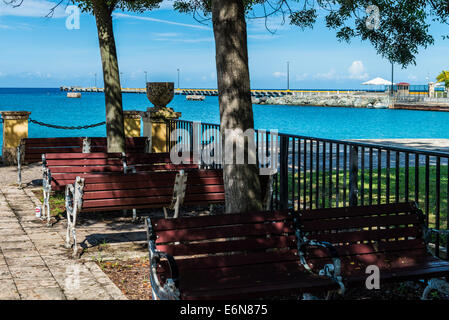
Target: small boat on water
{"x": 195, "y": 97}
{"x": 73, "y": 94}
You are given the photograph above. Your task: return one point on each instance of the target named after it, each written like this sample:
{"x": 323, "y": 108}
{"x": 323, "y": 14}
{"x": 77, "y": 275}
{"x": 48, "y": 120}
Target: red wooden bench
{"x": 61, "y": 169}
{"x": 144, "y": 162}
{"x": 228, "y": 256}
{"x": 159, "y": 189}
{"x": 30, "y": 150}
{"x": 391, "y": 237}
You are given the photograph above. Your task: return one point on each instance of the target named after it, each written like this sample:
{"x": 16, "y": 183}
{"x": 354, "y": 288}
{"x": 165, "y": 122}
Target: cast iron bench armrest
{"x": 332, "y": 271}
{"x": 170, "y": 290}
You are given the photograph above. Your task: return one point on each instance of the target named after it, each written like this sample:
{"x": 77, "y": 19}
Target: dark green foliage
{"x": 128, "y": 5}
{"x": 403, "y": 26}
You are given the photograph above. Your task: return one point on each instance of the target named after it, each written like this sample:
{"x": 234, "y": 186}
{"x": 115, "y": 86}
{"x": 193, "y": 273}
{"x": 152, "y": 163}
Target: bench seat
{"x": 392, "y": 237}
{"x": 158, "y": 189}
{"x": 228, "y": 256}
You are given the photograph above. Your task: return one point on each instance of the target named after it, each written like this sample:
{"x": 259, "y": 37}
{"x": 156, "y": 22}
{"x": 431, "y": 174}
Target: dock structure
{"x": 257, "y": 93}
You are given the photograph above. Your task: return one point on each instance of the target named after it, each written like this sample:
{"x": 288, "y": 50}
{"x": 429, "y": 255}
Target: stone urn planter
{"x": 160, "y": 94}
{"x": 155, "y": 119}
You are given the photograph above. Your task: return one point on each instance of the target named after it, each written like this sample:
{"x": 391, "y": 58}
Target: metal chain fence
{"x": 66, "y": 127}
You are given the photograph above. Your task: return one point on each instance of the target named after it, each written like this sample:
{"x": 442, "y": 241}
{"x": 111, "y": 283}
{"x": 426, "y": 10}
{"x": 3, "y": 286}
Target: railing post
{"x": 283, "y": 172}
{"x": 353, "y": 175}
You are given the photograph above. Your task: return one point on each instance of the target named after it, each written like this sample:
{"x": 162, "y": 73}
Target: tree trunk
{"x": 112, "y": 89}
{"x": 241, "y": 181}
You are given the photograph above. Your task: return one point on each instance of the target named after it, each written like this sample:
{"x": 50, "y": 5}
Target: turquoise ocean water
{"x": 52, "y": 106}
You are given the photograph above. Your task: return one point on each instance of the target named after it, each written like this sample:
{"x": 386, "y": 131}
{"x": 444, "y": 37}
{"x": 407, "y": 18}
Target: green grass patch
{"x": 330, "y": 197}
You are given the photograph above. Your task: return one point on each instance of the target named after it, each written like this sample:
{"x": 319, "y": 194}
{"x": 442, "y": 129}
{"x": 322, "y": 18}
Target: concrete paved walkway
{"x": 34, "y": 264}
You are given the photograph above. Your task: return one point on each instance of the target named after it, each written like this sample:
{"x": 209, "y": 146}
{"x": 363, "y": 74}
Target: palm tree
{"x": 444, "y": 77}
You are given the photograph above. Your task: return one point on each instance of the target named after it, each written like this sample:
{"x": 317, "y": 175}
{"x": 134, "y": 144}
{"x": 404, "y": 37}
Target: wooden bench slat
{"x": 131, "y": 193}
{"x": 367, "y": 235}
{"x": 50, "y": 141}
{"x": 41, "y": 151}
{"x": 217, "y": 263}
{"x": 364, "y": 248}
{"x": 359, "y": 222}
{"x": 130, "y": 177}
{"x": 85, "y": 169}
{"x": 162, "y": 200}
{"x": 220, "y": 220}
{"x": 167, "y": 167}
{"x": 329, "y": 213}
{"x": 221, "y": 232}
{"x": 128, "y": 185}
{"x": 262, "y": 288}
{"x": 228, "y": 245}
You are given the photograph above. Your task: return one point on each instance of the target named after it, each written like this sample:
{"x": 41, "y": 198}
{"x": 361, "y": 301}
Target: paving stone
{"x": 39, "y": 293}
{"x": 10, "y": 238}
{"x": 4, "y": 272}
{"x": 30, "y": 273}
{"x": 27, "y": 262}
{"x": 34, "y": 264}
{"x": 2, "y": 259}
{"x": 8, "y": 290}
{"x": 27, "y": 244}
{"x": 20, "y": 253}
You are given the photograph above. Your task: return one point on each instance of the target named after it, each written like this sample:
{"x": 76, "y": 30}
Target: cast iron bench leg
{"x": 435, "y": 284}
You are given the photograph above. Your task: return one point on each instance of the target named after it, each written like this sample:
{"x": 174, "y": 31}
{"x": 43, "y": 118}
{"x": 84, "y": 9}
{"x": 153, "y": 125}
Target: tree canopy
{"x": 444, "y": 77}
{"x": 400, "y": 28}
{"x": 125, "y": 5}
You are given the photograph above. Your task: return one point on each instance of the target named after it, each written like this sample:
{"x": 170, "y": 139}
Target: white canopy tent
{"x": 377, "y": 82}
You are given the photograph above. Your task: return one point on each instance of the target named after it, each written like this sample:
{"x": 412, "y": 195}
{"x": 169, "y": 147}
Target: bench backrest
{"x": 207, "y": 186}
{"x": 65, "y": 167}
{"x": 35, "y": 147}
{"x": 133, "y": 144}
{"x": 109, "y": 192}
{"x": 218, "y": 242}
{"x": 144, "y": 162}
{"x": 368, "y": 232}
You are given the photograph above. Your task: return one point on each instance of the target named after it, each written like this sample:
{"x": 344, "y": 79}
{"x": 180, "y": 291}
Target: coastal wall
{"x": 341, "y": 100}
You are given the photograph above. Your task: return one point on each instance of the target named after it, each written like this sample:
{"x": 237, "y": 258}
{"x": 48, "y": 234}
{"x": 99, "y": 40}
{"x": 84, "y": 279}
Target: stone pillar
{"x": 15, "y": 128}
{"x": 155, "y": 126}
{"x": 132, "y": 123}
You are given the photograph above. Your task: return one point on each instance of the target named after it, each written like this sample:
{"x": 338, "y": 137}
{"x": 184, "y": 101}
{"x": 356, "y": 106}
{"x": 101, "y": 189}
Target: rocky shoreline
{"x": 340, "y": 100}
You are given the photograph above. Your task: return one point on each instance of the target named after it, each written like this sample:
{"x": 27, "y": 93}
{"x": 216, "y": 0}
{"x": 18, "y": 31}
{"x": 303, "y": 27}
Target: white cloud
{"x": 279, "y": 74}
{"x": 262, "y": 36}
{"x": 124, "y": 15}
{"x": 332, "y": 74}
{"x": 166, "y": 34}
{"x": 185, "y": 40}
{"x": 301, "y": 77}
{"x": 32, "y": 8}
{"x": 357, "y": 71}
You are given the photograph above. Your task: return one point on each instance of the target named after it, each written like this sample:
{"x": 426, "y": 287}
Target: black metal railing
{"x": 322, "y": 173}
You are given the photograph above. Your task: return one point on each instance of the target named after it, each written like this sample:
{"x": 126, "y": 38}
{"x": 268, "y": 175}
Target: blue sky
{"x": 41, "y": 52}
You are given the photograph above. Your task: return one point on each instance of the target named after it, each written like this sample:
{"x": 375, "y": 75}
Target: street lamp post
{"x": 146, "y": 77}
{"x": 95, "y": 80}
{"x": 288, "y": 75}
{"x": 178, "y": 80}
